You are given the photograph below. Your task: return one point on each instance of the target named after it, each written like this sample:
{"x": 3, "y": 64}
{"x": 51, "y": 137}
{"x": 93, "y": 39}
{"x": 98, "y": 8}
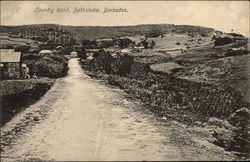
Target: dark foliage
{"x": 22, "y": 49}
{"x": 67, "y": 50}
{"x": 21, "y": 101}
{"x": 52, "y": 66}
{"x": 90, "y": 44}
{"x": 223, "y": 41}
{"x": 124, "y": 43}
{"x": 81, "y": 53}
{"x": 145, "y": 44}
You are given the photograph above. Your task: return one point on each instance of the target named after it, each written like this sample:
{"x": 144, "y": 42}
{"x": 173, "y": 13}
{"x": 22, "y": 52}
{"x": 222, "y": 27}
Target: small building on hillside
{"x": 45, "y": 52}
{"x": 10, "y": 63}
{"x": 126, "y": 50}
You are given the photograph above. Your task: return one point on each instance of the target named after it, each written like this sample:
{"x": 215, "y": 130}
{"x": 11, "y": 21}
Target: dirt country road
{"x": 82, "y": 119}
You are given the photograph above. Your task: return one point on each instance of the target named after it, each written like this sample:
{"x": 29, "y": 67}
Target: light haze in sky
{"x": 220, "y": 15}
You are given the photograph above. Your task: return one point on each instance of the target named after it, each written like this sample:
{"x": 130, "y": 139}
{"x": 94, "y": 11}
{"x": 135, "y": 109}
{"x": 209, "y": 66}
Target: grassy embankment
{"x": 16, "y": 95}
{"x": 171, "y": 94}
{"x": 202, "y": 86}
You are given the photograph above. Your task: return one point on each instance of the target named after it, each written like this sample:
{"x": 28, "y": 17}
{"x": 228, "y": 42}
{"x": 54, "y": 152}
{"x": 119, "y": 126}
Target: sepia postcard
{"x": 124, "y": 80}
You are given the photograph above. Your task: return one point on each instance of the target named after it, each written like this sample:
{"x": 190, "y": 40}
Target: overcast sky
{"x": 221, "y": 15}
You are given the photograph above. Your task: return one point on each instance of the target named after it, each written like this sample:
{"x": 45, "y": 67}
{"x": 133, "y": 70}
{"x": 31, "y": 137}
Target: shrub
{"x": 81, "y": 53}
{"x": 103, "y": 61}
{"x": 122, "y": 64}
{"x": 52, "y": 66}
{"x": 124, "y": 43}
{"x": 67, "y": 50}
{"x": 22, "y": 49}
{"x": 145, "y": 44}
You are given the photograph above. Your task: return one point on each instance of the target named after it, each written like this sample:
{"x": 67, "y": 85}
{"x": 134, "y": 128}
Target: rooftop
{"x": 10, "y": 57}
{"x": 45, "y": 51}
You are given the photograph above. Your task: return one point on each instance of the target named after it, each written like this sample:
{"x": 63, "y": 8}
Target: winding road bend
{"x": 80, "y": 118}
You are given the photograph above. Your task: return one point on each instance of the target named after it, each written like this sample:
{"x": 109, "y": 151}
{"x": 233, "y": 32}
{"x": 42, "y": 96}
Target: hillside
{"x": 7, "y": 41}
{"x": 97, "y": 32}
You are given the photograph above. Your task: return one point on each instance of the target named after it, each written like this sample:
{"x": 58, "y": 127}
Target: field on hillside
{"x": 98, "y": 32}
{"x": 204, "y": 65}
{"x": 8, "y": 41}
{"x": 227, "y": 71}
{"x": 149, "y": 56}
{"x": 170, "y": 41}
{"x": 166, "y": 67}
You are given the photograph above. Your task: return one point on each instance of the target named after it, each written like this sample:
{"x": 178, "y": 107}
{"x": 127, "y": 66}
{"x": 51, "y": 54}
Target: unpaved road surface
{"x": 82, "y": 119}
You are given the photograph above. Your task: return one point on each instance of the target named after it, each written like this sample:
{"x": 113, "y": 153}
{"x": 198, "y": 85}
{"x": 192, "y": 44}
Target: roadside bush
{"x": 103, "y": 61}
{"x": 145, "y": 44}
{"x": 81, "y": 53}
{"x": 67, "y": 50}
{"x": 52, "y": 66}
{"x": 122, "y": 64}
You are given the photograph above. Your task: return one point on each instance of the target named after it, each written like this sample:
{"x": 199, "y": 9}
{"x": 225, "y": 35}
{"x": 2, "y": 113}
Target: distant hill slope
{"x": 88, "y": 32}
